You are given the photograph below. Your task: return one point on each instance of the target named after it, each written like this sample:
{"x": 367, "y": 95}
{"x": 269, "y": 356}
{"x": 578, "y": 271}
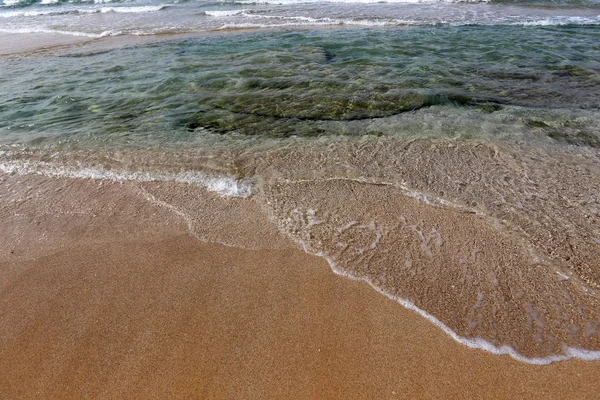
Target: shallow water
{"x": 100, "y": 18}
{"x": 453, "y": 164}
{"x": 476, "y": 81}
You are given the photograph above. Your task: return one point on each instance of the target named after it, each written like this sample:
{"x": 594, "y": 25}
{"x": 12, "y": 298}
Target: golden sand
{"x": 114, "y": 299}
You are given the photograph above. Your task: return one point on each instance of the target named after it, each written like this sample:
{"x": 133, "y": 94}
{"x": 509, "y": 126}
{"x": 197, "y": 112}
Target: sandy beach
{"x": 113, "y": 298}
{"x": 308, "y": 200}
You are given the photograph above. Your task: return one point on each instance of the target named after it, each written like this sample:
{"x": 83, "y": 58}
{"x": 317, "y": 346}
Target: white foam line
{"x": 60, "y": 32}
{"x": 225, "y": 186}
{"x": 188, "y": 220}
{"x": 410, "y": 192}
{"x": 139, "y": 9}
{"x": 12, "y": 2}
{"x": 474, "y": 343}
{"x": 554, "y": 21}
{"x": 306, "y": 21}
{"x": 285, "y": 2}
{"x": 81, "y": 11}
{"x": 226, "y": 13}
{"x": 12, "y": 14}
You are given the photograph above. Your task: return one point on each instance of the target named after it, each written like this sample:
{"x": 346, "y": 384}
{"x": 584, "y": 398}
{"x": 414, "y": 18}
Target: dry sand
{"x": 131, "y": 306}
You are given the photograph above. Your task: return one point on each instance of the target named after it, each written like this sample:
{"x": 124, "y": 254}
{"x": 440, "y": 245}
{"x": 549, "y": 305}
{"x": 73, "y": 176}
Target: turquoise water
{"x": 530, "y": 80}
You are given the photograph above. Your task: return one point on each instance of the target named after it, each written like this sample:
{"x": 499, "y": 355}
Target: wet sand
{"x": 23, "y": 44}
{"x": 14, "y": 43}
{"x": 112, "y": 298}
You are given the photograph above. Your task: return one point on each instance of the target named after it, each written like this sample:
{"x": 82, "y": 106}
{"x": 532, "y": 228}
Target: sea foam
{"x": 34, "y": 30}
{"x": 223, "y": 185}
{"x": 292, "y": 2}
{"x": 474, "y": 343}
{"x": 225, "y": 13}
{"x": 82, "y": 11}
{"x": 310, "y": 219}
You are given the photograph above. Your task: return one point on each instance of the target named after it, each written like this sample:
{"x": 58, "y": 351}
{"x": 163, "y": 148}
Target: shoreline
{"x": 17, "y": 44}
{"x": 306, "y": 212}
{"x": 160, "y": 313}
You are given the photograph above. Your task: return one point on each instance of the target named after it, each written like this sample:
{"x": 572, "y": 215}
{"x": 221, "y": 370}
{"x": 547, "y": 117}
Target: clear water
{"x": 484, "y": 81}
